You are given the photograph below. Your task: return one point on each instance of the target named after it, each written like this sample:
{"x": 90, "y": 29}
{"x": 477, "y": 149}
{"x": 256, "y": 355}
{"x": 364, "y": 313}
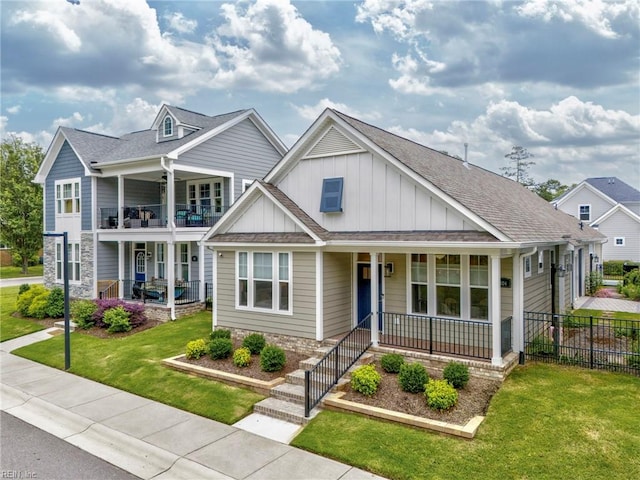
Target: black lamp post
{"x": 67, "y": 329}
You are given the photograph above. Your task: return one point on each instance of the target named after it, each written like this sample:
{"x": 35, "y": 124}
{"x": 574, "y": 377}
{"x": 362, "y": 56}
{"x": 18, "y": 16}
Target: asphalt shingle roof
{"x": 615, "y": 189}
{"x": 510, "y": 207}
{"x": 93, "y": 147}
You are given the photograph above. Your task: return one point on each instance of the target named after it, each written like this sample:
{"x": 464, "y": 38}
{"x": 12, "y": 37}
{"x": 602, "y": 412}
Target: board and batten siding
{"x": 337, "y": 299}
{"x": 619, "y": 224}
{"x": 67, "y": 165}
{"x": 376, "y": 196}
{"x": 263, "y": 216}
{"x": 303, "y": 321}
{"x": 599, "y": 206}
{"x": 242, "y": 149}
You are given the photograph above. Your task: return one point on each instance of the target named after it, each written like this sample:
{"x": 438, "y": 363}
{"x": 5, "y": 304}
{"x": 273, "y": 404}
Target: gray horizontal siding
{"x": 241, "y": 149}
{"x": 300, "y": 324}
{"x": 337, "y": 293}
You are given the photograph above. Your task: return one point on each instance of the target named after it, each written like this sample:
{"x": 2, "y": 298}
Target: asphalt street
{"x": 26, "y": 452}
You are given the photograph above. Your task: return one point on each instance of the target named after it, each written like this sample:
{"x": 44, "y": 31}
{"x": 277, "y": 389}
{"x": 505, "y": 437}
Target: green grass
{"x": 16, "y": 272}
{"x": 546, "y": 422}
{"x": 11, "y": 327}
{"x": 133, "y": 364}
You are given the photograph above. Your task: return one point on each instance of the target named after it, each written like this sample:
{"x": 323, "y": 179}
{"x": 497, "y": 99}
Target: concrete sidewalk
{"x": 608, "y": 304}
{"x": 147, "y": 438}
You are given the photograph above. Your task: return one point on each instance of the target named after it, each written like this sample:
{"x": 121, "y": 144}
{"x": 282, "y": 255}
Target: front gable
{"x": 585, "y": 195}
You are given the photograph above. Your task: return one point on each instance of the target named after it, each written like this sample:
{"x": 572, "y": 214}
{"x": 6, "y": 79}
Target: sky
{"x": 561, "y": 79}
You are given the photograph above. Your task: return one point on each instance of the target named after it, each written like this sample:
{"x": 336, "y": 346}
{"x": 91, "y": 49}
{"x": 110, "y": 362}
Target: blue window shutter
{"x": 331, "y": 200}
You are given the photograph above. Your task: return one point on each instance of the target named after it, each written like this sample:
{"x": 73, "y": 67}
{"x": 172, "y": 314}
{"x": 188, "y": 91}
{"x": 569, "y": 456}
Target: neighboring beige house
{"x": 613, "y": 208}
{"x": 356, "y": 223}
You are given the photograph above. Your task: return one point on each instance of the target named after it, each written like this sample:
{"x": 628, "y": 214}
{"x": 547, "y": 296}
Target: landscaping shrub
{"x": 220, "y": 348}
{"x": 391, "y": 362}
{"x": 220, "y": 334}
{"x": 456, "y": 373}
{"x": 255, "y": 342}
{"x": 413, "y": 377}
{"x": 365, "y": 380}
{"x": 634, "y": 360}
{"x": 38, "y": 307}
{"x": 55, "y": 304}
{"x": 137, "y": 317}
{"x": 23, "y": 288}
{"x": 242, "y": 357}
{"x": 540, "y": 345}
{"x": 82, "y": 313}
{"x": 272, "y": 359}
{"x": 630, "y": 287}
{"x": 117, "y": 320}
{"x": 440, "y": 394}
{"x": 593, "y": 283}
{"x": 196, "y": 349}
{"x": 26, "y": 298}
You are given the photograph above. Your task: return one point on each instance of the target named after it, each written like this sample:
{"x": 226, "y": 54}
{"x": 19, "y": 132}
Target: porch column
{"x": 517, "y": 339}
{"x": 121, "y": 270}
{"x": 496, "y": 321}
{"x": 319, "y": 296}
{"x": 120, "y": 201}
{"x": 375, "y": 294}
{"x": 171, "y": 200}
{"x": 201, "y": 290}
{"x": 171, "y": 278}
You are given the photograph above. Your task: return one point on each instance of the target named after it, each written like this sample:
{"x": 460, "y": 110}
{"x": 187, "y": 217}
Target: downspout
{"x": 520, "y": 302}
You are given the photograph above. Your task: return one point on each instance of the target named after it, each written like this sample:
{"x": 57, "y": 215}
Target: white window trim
{"x": 275, "y": 281}
{"x": 411, "y": 282}
{"x": 164, "y": 130}
{"x": 177, "y": 262}
{"x": 527, "y": 266}
{"x": 212, "y": 199}
{"x": 61, "y": 184}
{"x": 615, "y": 242}
{"x": 580, "y": 214}
{"x": 74, "y": 247}
{"x": 246, "y": 184}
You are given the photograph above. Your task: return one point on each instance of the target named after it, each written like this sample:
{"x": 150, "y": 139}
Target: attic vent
{"x": 333, "y": 143}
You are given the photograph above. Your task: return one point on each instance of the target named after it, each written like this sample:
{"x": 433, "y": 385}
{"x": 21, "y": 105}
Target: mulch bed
{"x": 473, "y": 400}
{"x": 94, "y": 331}
{"x": 253, "y": 370}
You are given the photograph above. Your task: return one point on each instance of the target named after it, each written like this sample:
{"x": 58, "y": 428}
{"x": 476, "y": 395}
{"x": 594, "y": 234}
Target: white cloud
{"x": 42, "y": 137}
{"x": 136, "y": 115}
{"x": 594, "y": 14}
{"x": 54, "y": 23}
{"x": 178, "y": 22}
{"x": 398, "y": 18}
{"x": 269, "y": 46}
{"x": 71, "y": 121}
{"x": 14, "y": 110}
{"x": 311, "y": 112}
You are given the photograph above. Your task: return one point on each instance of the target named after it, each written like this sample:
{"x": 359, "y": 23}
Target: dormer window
{"x": 168, "y": 126}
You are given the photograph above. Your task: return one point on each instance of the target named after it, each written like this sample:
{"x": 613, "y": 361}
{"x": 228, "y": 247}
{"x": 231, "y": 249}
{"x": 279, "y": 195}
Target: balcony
{"x": 155, "y": 216}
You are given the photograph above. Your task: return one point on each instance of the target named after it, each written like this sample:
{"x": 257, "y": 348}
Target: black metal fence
{"x": 208, "y": 296}
{"x": 586, "y": 341}
{"x": 469, "y": 338}
{"x": 324, "y": 375}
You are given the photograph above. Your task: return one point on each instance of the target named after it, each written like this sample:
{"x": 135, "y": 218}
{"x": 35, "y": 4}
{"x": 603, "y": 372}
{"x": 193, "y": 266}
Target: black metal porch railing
{"x": 198, "y": 215}
{"x": 585, "y": 341}
{"x": 324, "y": 375}
{"x": 505, "y": 336}
{"x": 157, "y": 291}
{"x": 469, "y": 338}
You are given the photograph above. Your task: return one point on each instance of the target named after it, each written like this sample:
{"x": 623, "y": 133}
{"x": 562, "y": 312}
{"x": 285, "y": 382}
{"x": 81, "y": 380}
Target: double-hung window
{"x": 585, "y": 212}
{"x": 479, "y": 286}
{"x": 448, "y": 285}
{"x": 68, "y": 197}
{"x": 160, "y": 261}
{"x": 264, "y": 281}
{"x": 419, "y": 284}
{"x": 74, "y": 262}
{"x": 168, "y": 126}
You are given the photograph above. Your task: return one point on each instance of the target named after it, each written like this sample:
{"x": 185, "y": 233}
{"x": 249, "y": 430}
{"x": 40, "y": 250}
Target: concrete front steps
{"x": 287, "y": 400}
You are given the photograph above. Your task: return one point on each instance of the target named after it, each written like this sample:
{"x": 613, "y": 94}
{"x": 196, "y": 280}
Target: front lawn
{"x": 133, "y": 363}
{"x": 546, "y": 422}
{"x": 11, "y": 327}
{"x": 16, "y": 272}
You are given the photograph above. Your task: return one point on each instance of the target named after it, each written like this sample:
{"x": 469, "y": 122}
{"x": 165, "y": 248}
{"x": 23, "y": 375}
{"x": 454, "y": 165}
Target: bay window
{"x": 263, "y": 281}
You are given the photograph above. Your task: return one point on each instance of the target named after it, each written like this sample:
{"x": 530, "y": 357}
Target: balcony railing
{"x": 156, "y": 291}
{"x": 155, "y": 216}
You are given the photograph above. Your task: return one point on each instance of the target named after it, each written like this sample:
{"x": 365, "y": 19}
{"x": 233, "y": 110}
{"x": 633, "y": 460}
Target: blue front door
{"x": 140, "y": 264}
{"x": 364, "y": 292}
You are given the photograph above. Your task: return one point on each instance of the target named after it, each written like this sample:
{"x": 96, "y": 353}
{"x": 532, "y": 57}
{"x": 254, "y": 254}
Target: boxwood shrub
{"x": 220, "y": 348}
{"x": 117, "y": 320}
{"x": 413, "y": 377}
{"x": 365, "y": 380}
{"x": 272, "y": 358}
{"x": 55, "y": 303}
{"x": 456, "y": 373}
{"x": 221, "y": 333}
{"x": 391, "y": 362}
{"x": 82, "y": 313}
{"x": 255, "y": 342}
{"x": 242, "y": 357}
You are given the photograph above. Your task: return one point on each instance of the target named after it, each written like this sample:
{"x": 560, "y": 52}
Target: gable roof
{"x": 96, "y": 150}
{"x": 615, "y": 189}
{"x": 618, "y": 208}
{"x": 510, "y": 207}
